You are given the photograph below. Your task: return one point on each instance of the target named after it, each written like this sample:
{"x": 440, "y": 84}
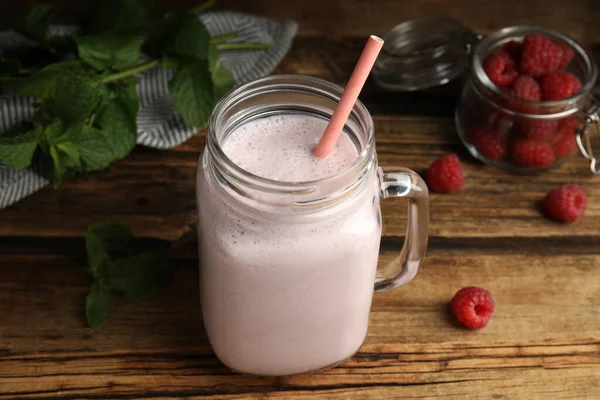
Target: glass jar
{"x": 288, "y": 269}
{"x": 494, "y": 126}
{"x": 547, "y": 130}
{"x": 423, "y": 53}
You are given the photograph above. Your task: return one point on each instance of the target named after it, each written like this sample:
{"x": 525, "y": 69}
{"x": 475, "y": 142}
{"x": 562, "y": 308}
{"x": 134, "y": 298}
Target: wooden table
{"x": 543, "y": 341}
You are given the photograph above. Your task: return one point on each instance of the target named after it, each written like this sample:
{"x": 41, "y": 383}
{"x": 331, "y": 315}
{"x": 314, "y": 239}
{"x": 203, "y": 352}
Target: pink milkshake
{"x": 282, "y": 298}
{"x": 289, "y": 242}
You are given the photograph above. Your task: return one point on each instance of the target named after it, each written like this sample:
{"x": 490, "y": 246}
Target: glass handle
{"x": 402, "y": 182}
{"x": 588, "y": 136}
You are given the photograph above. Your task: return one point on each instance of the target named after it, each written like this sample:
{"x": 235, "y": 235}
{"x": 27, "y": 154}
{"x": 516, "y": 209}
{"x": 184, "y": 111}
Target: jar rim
{"x": 454, "y": 28}
{"x": 316, "y": 86}
{"x": 506, "y": 33}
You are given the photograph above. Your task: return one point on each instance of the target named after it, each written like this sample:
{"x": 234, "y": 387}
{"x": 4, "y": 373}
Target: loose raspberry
{"x": 540, "y": 55}
{"x": 566, "y": 204}
{"x": 490, "y": 143}
{"x": 534, "y": 129}
{"x": 564, "y": 143}
{"x": 532, "y": 153}
{"x": 559, "y": 85}
{"x": 445, "y": 174}
{"x": 501, "y": 69}
{"x": 526, "y": 88}
{"x": 567, "y": 54}
{"x": 513, "y": 48}
{"x": 473, "y": 307}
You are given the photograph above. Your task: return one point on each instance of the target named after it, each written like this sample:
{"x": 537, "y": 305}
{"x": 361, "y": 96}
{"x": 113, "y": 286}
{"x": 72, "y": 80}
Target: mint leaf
{"x": 94, "y": 148}
{"x": 59, "y": 165}
{"x": 41, "y": 84}
{"x": 109, "y": 53}
{"x": 181, "y": 34}
{"x": 169, "y": 62}
{"x": 17, "y": 151}
{"x": 71, "y": 155}
{"x": 107, "y": 240}
{"x": 140, "y": 277}
{"x": 53, "y": 133}
{"x": 64, "y": 156}
{"x": 60, "y": 158}
{"x": 187, "y": 35}
{"x": 222, "y": 80}
{"x": 51, "y": 164}
{"x": 76, "y": 96}
{"x": 191, "y": 90}
{"x": 121, "y": 17}
{"x": 117, "y": 119}
{"x": 35, "y": 21}
{"x": 97, "y": 304}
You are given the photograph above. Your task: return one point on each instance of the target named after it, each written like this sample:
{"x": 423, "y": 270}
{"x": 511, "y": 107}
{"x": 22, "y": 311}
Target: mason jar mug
{"x": 288, "y": 269}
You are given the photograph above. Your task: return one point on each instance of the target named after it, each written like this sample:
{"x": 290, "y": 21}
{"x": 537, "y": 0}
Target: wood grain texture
{"x": 153, "y": 192}
{"x": 543, "y": 341}
{"x": 539, "y": 335}
{"x": 340, "y": 18}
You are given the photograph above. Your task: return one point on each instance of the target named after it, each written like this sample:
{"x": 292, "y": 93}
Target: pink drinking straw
{"x": 349, "y": 96}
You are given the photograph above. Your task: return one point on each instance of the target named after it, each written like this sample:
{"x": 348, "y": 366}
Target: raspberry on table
{"x": 445, "y": 174}
{"x": 473, "y": 307}
{"x": 559, "y": 85}
{"x": 526, "y": 88}
{"x": 501, "y": 69}
{"x": 531, "y": 153}
{"x": 537, "y": 129}
{"x": 489, "y": 142}
{"x": 566, "y": 204}
{"x": 540, "y": 55}
{"x": 567, "y": 55}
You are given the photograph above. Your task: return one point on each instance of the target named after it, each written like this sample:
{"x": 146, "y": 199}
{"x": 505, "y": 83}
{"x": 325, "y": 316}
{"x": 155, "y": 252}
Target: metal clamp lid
{"x": 588, "y": 135}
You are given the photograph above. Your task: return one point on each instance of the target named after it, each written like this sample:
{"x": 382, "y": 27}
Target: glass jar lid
{"x": 423, "y": 53}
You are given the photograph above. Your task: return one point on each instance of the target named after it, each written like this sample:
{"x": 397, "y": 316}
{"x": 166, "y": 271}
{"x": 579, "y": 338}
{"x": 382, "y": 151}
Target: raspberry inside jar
{"x": 520, "y": 107}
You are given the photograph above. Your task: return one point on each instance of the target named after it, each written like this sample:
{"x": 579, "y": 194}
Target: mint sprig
{"x": 86, "y": 112}
{"x": 116, "y": 268}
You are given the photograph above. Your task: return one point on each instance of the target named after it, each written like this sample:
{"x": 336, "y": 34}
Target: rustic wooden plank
{"x": 358, "y": 17}
{"x": 542, "y": 341}
{"x": 153, "y": 191}
{"x": 525, "y": 378}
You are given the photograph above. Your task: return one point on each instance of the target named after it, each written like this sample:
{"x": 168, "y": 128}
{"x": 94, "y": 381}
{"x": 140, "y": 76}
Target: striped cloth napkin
{"x": 159, "y": 125}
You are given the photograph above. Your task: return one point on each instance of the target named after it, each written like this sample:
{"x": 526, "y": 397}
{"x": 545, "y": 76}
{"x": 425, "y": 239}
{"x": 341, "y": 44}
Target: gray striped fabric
{"x": 159, "y": 125}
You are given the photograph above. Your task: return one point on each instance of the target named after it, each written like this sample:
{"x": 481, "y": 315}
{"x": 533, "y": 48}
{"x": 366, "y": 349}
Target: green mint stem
{"x": 242, "y": 46}
{"x": 92, "y": 119}
{"x": 204, "y": 6}
{"x": 124, "y": 74}
{"x": 224, "y": 37}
